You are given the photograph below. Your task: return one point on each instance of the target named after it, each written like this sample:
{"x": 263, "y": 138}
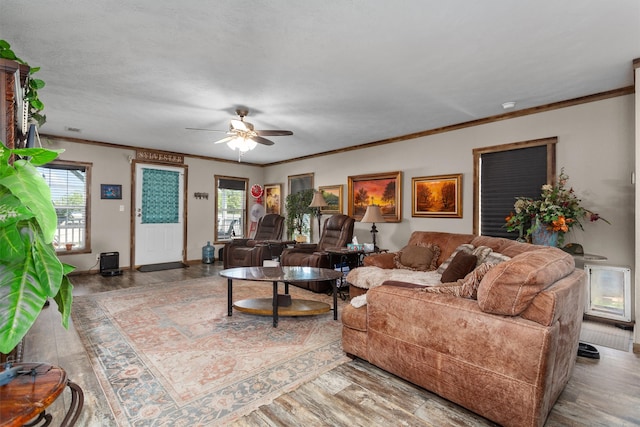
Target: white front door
{"x": 159, "y": 214}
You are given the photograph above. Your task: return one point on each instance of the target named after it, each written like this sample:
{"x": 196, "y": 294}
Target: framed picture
{"x": 300, "y": 182}
{"x": 382, "y": 189}
{"x": 437, "y": 196}
{"x": 273, "y": 199}
{"x": 110, "y": 191}
{"x": 333, "y": 196}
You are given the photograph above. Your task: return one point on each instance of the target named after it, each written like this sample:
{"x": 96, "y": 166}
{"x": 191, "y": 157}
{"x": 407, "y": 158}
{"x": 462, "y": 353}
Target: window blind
{"x": 68, "y": 186}
{"x": 505, "y": 175}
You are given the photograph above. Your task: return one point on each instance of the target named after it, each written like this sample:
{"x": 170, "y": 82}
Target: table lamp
{"x": 372, "y": 215}
{"x": 317, "y": 203}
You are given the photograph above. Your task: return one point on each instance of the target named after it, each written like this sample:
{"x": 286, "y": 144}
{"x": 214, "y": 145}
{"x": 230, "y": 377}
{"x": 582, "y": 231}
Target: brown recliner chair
{"x": 337, "y": 232}
{"x": 264, "y": 245}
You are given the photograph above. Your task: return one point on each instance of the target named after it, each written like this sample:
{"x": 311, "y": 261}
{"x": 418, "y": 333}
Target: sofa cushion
{"x": 369, "y": 277}
{"x": 417, "y": 257}
{"x": 461, "y": 265}
{"x": 509, "y": 287}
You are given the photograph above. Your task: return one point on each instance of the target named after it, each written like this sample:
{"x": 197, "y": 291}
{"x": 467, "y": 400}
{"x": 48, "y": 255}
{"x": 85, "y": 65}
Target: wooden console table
{"x": 25, "y": 399}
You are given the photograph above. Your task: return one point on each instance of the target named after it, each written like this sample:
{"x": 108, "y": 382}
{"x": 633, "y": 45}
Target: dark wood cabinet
{"x": 9, "y": 134}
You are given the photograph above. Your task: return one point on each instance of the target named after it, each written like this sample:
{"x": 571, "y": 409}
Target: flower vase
{"x": 543, "y": 236}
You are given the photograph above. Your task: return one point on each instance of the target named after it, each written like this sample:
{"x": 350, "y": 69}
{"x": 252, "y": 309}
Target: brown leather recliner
{"x": 337, "y": 232}
{"x": 264, "y": 245}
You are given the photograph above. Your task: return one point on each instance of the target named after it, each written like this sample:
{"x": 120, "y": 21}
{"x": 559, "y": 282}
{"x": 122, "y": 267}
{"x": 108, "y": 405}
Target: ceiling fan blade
{"x": 207, "y": 130}
{"x": 274, "y": 132}
{"x": 239, "y": 125}
{"x": 261, "y": 140}
{"x": 227, "y": 139}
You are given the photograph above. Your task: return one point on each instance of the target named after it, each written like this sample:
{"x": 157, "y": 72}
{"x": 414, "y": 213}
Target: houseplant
{"x": 556, "y": 211}
{"x": 30, "y": 271}
{"x": 33, "y": 85}
{"x": 297, "y": 206}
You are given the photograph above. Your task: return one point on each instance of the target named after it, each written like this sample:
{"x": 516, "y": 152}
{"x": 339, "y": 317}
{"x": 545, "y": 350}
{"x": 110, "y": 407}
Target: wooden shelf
{"x": 298, "y": 307}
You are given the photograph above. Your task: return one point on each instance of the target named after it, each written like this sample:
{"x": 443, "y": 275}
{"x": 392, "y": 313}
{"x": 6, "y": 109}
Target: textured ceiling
{"x": 336, "y": 73}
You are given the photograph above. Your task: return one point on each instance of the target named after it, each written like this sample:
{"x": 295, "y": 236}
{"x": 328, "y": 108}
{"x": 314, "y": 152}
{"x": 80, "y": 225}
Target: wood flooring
{"x": 604, "y": 392}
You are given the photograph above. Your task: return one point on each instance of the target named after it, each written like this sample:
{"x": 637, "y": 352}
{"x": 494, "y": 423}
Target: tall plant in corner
{"x": 30, "y": 271}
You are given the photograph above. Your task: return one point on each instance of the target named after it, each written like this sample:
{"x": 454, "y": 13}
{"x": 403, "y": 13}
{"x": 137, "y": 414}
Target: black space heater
{"x": 110, "y": 264}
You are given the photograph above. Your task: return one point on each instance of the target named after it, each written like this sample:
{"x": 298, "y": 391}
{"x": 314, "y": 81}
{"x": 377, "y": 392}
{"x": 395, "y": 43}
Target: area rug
{"x": 605, "y": 335}
{"x": 168, "y": 354}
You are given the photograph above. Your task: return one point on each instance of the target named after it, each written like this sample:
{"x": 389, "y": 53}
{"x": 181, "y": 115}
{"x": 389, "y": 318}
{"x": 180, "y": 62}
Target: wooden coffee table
{"x": 286, "y": 275}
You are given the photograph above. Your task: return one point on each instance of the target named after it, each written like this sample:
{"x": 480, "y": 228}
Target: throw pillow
{"x": 471, "y": 281}
{"x": 466, "y": 247}
{"x": 496, "y": 258}
{"x": 465, "y": 288}
{"x": 418, "y": 257}
{"x": 482, "y": 252}
{"x": 461, "y": 265}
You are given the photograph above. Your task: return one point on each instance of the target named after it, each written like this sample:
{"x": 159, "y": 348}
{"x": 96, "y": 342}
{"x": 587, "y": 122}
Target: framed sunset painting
{"x": 382, "y": 189}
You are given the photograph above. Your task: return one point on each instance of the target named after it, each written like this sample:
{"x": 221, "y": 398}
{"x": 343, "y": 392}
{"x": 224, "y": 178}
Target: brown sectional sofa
{"x": 506, "y": 356}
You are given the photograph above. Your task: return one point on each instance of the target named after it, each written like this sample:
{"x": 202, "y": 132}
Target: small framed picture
{"x": 333, "y": 196}
{"x": 273, "y": 198}
{"x": 300, "y": 182}
{"x": 437, "y": 196}
{"x": 110, "y": 191}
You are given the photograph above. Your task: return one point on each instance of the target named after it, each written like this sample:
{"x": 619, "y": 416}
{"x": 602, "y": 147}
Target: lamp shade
{"x": 318, "y": 201}
{"x": 373, "y": 214}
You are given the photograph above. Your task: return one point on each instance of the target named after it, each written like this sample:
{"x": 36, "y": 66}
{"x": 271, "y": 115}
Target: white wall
{"x": 595, "y": 146}
{"x": 111, "y": 228}
{"x": 201, "y": 221}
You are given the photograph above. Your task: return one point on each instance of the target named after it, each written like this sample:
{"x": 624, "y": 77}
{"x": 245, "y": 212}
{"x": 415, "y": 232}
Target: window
{"x": 504, "y": 172}
{"x": 231, "y": 207}
{"x": 69, "y": 183}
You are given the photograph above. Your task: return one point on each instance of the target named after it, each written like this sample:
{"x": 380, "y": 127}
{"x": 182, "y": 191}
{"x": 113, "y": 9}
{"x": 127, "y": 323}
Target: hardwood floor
{"x": 604, "y": 392}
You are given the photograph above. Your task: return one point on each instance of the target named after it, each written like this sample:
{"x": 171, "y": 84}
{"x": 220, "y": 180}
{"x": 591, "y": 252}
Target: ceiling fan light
{"x": 242, "y": 144}
{"x": 251, "y": 144}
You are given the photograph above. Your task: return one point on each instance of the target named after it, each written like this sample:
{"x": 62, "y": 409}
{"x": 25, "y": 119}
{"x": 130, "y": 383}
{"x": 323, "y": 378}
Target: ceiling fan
{"x": 242, "y": 135}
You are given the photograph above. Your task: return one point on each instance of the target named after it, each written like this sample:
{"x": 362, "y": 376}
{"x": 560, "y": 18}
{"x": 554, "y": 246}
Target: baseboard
{"x": 77, "y": 272}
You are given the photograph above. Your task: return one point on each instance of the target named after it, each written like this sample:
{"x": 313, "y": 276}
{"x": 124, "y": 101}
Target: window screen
{"x": 231, "y": 207}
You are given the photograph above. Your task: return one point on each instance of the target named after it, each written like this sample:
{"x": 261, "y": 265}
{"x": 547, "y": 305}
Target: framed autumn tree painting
{"x": 437, "y": 196}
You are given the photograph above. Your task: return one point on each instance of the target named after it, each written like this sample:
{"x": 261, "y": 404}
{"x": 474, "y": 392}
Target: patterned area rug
{"x": 168, "y": 354}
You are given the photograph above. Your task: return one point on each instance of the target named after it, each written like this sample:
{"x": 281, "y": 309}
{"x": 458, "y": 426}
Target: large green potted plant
{"x": 297, "y": 206}
{"x": 30, "y": 270}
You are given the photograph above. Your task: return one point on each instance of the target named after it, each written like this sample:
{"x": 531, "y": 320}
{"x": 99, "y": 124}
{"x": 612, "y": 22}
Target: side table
{"x": 352, "y": 258}
{"x": 37, "y": 385}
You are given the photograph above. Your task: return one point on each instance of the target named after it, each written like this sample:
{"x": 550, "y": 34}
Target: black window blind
{"x": 505, "y": 175}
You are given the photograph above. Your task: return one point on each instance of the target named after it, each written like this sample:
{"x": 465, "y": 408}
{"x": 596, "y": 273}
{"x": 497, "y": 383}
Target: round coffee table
{"x": 287, "y": 306}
